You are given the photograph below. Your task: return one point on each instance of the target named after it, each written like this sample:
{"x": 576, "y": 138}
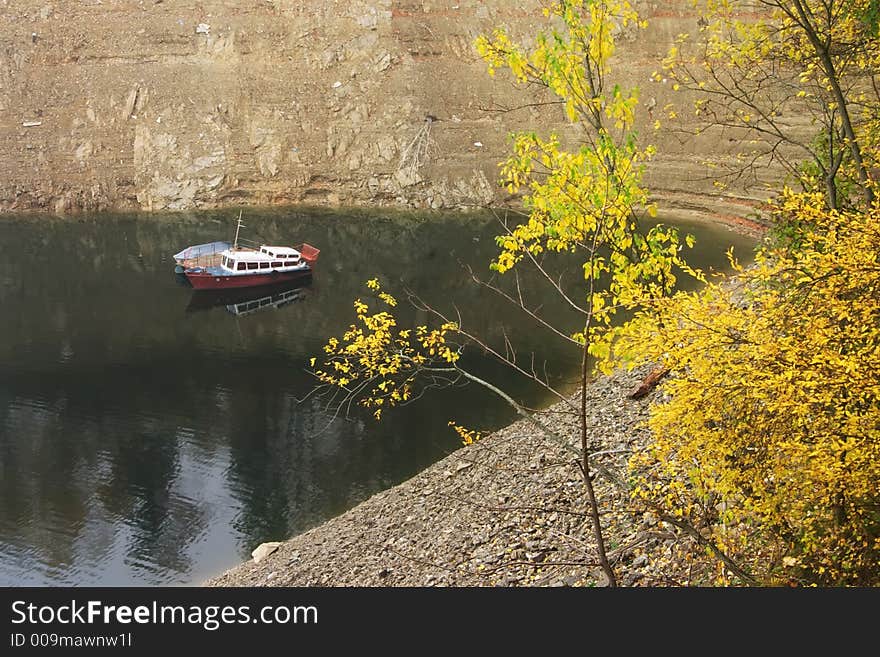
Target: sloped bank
{"x": 509, "y": 510}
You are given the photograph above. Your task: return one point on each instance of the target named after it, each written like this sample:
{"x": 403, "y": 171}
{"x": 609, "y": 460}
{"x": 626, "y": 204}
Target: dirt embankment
{"x": 157, "y": 105}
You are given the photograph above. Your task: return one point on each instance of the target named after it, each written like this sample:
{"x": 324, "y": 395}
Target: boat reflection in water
{"x": 244, "y": 301}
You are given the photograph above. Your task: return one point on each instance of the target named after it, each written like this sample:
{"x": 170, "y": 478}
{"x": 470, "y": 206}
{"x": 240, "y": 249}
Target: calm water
{"x": 150, "y": 435}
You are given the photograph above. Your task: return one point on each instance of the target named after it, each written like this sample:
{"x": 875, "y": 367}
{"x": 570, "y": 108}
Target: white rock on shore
{"x": 264, "y": 550}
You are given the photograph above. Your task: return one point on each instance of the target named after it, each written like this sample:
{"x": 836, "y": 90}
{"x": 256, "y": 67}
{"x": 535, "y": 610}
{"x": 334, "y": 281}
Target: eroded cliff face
{"x": 176, "y": 104}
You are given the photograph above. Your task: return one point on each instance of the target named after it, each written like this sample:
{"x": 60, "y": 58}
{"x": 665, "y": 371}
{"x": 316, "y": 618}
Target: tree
{"x": 769, "y": 443}
{"x": 584, "y": 199}
{"x": 766, "y": 442}
{"x": 798, "y": 83}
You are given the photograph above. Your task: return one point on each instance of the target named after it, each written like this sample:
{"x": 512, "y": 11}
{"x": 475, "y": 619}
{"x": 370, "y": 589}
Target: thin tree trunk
{"x": 585, "y": 468}
{"x": 584, "y": 462}
{"x": 839, "y": 99}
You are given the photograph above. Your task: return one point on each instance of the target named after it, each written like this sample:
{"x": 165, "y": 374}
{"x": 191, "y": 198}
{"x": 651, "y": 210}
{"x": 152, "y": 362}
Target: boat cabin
{"x": 268, "y": 258}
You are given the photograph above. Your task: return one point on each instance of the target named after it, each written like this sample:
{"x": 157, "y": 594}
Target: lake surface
{"x": 150, "y": 435}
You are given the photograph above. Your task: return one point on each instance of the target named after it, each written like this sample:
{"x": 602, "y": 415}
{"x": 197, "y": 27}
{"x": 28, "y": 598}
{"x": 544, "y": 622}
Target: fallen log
{"x": 649, "y": 382}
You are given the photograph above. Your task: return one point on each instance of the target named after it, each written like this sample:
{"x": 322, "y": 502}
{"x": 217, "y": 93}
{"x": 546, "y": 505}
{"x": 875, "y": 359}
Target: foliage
{"x": 589, "y": 199}
{"x": 772, "y": 71}
{"x": 468, "y": 436}
{"x": 377, "y": 363}
{"x": 769, "y": 441}
{"x": 767, "y": 438}
{"x": 586, "y": 199}
{"x": 766, "y": 442}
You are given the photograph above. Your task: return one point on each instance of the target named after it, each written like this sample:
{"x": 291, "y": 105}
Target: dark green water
{"x": 146, "y": 441}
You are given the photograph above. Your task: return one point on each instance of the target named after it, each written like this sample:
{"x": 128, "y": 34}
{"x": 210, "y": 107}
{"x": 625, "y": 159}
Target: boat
{"x": 220, "y": 265}
{"x": 245, "y": 300}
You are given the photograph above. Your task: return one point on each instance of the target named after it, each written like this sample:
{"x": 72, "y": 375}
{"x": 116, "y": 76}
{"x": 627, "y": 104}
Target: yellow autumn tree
{"x": 765, "y": 440}
{"x": 584, "y": 198}
{"x": 769, "y": 442}
{"x": 767, "y": 437}
{"x": 794, "y": 82}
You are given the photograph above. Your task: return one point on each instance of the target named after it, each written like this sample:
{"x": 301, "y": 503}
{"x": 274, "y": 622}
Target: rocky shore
{"x": 509, "y": 510}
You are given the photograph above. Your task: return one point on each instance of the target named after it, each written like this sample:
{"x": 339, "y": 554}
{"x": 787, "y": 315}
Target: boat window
{"x": 289, "y": 263}
{"x": 264, "y": 265}
{"x": 240, "y": 266}
{"x": 271, "y": 253}
{"x": 252, "y": 265}
{"x": 277, "y": 264}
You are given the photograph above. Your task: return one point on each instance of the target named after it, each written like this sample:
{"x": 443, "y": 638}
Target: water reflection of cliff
{"x": 140, "y": 443}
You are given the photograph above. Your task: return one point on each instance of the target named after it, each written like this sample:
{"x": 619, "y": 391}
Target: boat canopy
{"x": 197, "y": 250}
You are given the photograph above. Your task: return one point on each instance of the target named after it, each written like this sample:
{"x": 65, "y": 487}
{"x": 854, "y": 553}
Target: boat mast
{"x": 237, "y": 227}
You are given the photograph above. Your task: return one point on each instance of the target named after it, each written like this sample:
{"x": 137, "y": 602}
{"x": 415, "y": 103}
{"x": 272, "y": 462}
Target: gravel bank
{"x": 509, "y": 510}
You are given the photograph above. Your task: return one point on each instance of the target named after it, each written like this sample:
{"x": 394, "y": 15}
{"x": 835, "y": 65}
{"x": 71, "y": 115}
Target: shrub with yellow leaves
{"x": 768, "y": 442}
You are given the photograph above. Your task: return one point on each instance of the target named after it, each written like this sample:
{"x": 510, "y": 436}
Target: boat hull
{"x": 208, "y": 299}
{"x": 202, "y": 280}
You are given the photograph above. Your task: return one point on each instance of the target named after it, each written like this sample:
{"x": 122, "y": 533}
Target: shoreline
{"x": 508, "y": 510}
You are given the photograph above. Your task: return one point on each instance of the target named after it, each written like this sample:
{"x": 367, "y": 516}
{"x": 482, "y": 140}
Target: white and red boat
{"x": 212, "y": 267}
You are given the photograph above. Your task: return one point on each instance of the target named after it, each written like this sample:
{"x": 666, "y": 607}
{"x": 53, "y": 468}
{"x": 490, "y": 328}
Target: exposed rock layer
{"x": 144, "y": 104}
